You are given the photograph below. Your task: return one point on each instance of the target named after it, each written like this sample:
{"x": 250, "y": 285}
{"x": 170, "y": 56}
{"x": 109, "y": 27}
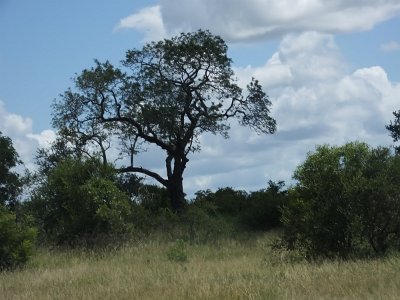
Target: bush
{"x": 263, "y": 209}
{"x": 200, "y": 224}
{"x": 16, "y": 241}
{"x": 81, "y": 204}
{"x": 346, "y": 202}
{"x": 153, "y": 198}
{"x": 260, "y": 210}
{"x": 10, "y": 182}
{"x": 177, "y": 252}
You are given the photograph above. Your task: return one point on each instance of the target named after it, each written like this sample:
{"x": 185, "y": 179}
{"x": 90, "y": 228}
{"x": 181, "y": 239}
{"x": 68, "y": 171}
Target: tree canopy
{"x": 394, "y": 128}
{"x": 79, "y": 202}
{"x": 346, "y": 202}
{"x": 167, "y": 94}
{"x": 10, "y": 183}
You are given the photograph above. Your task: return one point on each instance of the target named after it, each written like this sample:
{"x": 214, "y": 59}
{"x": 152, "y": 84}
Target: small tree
{"x": 10, "y": 182}
{"x": 80, "y": 202}
{"x": 346, "y": 202}
{"x": 378, "y": 198}
{"x": 165, "y": 95}
{"x": 16, "y": 239}
{"x": 263, "y": 209}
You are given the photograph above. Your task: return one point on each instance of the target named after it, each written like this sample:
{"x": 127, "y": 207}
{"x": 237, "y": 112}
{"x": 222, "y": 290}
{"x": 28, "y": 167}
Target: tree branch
{"x": 142, "y": 170}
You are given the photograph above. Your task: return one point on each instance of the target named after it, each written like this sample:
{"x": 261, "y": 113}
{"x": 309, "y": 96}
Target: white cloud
{"x": 316, "y": 97}
{"x": 25, "y": 142}
{"x": 43, "y": 139}
{"x": 391, "y": 46}
{"x": 316, "y": 100}
{"x": 237, "y": 20}
{"x": 148, "y": 20}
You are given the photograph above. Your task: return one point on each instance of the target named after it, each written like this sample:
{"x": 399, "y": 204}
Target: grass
{"x": 227, "y": 269}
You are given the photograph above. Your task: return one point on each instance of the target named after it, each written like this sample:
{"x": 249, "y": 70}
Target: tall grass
{"x": 227, "y": 269}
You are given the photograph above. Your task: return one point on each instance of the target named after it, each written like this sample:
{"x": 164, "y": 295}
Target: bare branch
{"x": 144, "y": 171}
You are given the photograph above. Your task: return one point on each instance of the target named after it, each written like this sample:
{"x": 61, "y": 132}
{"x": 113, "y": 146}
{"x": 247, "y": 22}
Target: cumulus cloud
{"x": 316, "y": 99}
{"x": 391, "y": 46}
{"x": 20, "y": 130}
{"x": 239, "y": 20}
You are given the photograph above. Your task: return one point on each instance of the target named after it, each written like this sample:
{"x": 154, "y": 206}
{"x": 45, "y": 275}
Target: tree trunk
{"x": 175, "y": 180}
{"x": 176, "y": 194}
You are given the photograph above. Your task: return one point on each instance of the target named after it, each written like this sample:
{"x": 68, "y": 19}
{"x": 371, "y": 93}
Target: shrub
{"x": 263, "y": 208}
{"x": 260, "y": 210}
{"x": 16, "y": 241}
{"x": 153, "y": 198}
{"x": 10, "y": 182}
{"x": 200, "y": 224}
{"x": 346, "y": 202}
{"x": 177, "y": 252}
{"x": 80, "y": 203}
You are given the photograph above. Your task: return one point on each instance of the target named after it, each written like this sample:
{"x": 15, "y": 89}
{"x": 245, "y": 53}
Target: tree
{"x": 346, "y": 202}
{"x": 263, "y": 209}
{"x": 10, "y": 182}
{"x": 394, "y": 128}
{"x": 166, "y": 95}
{"x": 80, "y": 202}
{"x": 16, "y": 239}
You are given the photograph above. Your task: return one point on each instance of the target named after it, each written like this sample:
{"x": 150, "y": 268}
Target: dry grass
{"x": 228, "y": 270}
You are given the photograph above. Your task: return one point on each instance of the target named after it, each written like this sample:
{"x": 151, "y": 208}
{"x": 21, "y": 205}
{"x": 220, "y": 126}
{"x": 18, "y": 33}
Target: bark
{"x": 177, "y": 196}
{"x": 175, "y": 181}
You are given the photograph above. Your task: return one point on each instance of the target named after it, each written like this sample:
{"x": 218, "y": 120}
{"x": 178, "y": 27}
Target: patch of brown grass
{"x": 226, "y": 270}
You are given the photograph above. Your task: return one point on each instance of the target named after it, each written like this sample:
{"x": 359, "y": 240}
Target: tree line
{"x": 345, "y": 202}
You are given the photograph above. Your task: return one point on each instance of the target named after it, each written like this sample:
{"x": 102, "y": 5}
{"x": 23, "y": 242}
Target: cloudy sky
{"x": 331, "y": 69}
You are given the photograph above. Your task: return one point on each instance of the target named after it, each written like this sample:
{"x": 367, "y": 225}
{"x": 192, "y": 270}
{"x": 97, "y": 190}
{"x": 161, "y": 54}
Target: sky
{"x": 331, "y": 70}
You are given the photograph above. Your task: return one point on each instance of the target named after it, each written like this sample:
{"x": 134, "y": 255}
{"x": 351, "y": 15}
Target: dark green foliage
{"x": 151, "y": 210}
{"x": 346, "y": 202}
{"x": 153, "y": 198}
{"x": 394, "y": 128}
{"x": 226, "y": 201}
{"x": 378, "y": 198}
{"x": 80, "y": 203}
{"x": 263, "y": 208}
{"x": 166, "y": 94}
{"x": 260, "y": 210}
{"x": 201, "y": 224}
{"x": 10, "y": 182}
{"x": 177, "y": 252}
{"x": 130, "y": 184}
{"x": 16, "y": 241}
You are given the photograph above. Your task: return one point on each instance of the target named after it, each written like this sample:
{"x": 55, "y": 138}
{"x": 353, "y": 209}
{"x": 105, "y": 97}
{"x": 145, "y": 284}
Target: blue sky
{"x": 331, "y": 70}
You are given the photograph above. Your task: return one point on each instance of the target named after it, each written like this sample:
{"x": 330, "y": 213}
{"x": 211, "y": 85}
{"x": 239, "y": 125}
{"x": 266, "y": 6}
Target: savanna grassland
{"x": 89, "y": 229}
{"x": 228, "y": 269}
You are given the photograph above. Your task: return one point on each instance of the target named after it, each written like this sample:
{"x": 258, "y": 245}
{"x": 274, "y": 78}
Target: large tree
{"x": 166, "y": 94}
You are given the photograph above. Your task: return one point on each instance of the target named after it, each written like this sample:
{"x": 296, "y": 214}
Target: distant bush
{"x": 16, "y": 241}
{"x": 260, "y": 210}
{"x": 346, "y": 202}
{"x": 263, "y": 209}
{"x": 153, "y": 198}
{"x": 200, "y": 224}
